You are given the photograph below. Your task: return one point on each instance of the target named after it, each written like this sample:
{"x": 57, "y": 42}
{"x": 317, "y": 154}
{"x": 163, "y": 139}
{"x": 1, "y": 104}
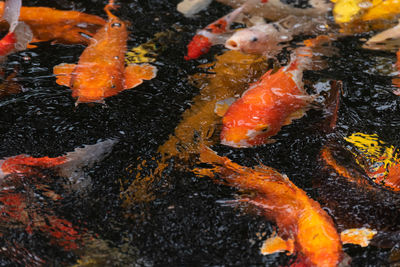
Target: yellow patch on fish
{"x": 364, "y": 15}
{"x": 143, "y": 53}
{"x": 374, "y": 150}
{"x": 148, "y": 51}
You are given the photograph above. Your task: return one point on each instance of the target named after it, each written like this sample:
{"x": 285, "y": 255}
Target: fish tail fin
{"x": 84, "y": 157}
{"x": 23, "y": 35}
{"x": 110, "y": 6}
{"x": 207, "y": 155}
{"x": 11, "y": 13}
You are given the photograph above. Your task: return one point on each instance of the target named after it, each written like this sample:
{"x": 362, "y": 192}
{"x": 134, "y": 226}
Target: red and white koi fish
{"x": 270, "y": 103}
{"x": 70, "y": 165}
{"x": 19, "y": 34}
{"x": 304, "y": 227}
{"x": 22, "y": 208}
{"x": 211, "y": 35}
{"x": 267, "y": 38}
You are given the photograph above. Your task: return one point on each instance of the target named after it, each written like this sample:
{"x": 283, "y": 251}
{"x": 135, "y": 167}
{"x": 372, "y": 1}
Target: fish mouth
{"x": 240, "y": 144}
{"x": 232, "y": 45}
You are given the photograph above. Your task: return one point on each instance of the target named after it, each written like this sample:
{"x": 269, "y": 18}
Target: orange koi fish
{"x": 68, "y": 27}
{"x": 19, "y": 34}
{"x": 304, "y": 227}
{"x": 272, "y": 102}
{"x": 211, "y": 35}
{"x": 101, "y": 70}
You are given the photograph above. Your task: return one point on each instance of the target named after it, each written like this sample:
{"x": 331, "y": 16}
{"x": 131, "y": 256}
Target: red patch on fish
{"x": 7, "y": 44}
{"x": 198, "y": 46}
{"x": 220, "y": 26}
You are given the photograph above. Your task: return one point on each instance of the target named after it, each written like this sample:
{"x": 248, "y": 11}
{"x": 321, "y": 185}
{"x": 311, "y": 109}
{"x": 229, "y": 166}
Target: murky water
{"x": 182, "y": 222}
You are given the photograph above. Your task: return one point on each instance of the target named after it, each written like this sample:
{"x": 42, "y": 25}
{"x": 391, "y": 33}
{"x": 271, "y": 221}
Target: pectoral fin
{"x": 222, "y": 106}
{"x": 63, "y": 73}
{"x": 277, "y": 244}
{"x": 358, "y": 236}
{"x": 135, "y": 74}
{"x": 294, "y": 116}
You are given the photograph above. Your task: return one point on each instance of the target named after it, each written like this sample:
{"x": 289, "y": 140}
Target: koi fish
{"x": 211, "y": 35}
{"x": 191, "y": 7}
{"x": 23, "y": 208}
{"x": 67, "y": 27}
{"x": 274, "y": 10}
{"x": 380, "y": 162}
{"x": 267, "y": 38}
{"x": 270, "y": 103}
{"x": 69, "y": 165}
{"x": 304, "y": 227}
{"x": 19, "y": 34}
{"x": 101, "y": 70}
{"x": 388, "y": 40}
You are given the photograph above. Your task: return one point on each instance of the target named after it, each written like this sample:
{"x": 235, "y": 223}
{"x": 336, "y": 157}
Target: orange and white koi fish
{"x": 304, "y": 227}
{"x": 68, "y": 166}
{"x": 59, "y": 26}
{"x": 267, "y": 38}
{"x": 272, "y": 102}
{"x": 101, "y": 70}
{"x": 19, "y": 34}
{"x": 211, "y": 35}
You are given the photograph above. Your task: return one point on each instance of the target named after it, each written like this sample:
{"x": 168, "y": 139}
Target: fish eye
{"x": 254, "y": 39}
{"x": 116, "y": 24}
{"x": 113, "y": 86}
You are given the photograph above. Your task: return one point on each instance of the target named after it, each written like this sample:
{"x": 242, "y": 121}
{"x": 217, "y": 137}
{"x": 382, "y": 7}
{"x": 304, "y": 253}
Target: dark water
{"x": 185, "y": 225}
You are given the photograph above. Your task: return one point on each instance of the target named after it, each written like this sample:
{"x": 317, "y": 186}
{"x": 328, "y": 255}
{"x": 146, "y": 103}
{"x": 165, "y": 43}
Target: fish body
{"x": 101, "y": 70}
{"x": 68, "y": 27}
{"x": 272, "y": 102}
{"x": 304, "y": 227}
{"x": 211, "y": 35}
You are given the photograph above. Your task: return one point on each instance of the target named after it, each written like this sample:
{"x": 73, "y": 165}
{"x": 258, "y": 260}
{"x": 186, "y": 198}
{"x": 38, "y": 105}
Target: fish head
{"x": 199, "y": 45}
{"x": 256, "y": 40}
{"x": 244, "y": 126}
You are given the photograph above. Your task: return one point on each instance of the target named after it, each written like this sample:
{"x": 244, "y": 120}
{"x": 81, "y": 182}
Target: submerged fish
{"x": 388, "y": 40}
{"x": 59, "y": 26}
{"x": 26, "y": 193}
{"x": 277, "y": 9}
{"x": 19, "y": 34}
{"x": 272, "y": 102}
{"x": 304, "y": 227}
{"x": 101, "y": 70}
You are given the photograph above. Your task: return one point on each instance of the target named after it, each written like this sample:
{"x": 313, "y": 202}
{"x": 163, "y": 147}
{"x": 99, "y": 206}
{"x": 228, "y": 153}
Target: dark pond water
{"x": 184, "y": 225}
